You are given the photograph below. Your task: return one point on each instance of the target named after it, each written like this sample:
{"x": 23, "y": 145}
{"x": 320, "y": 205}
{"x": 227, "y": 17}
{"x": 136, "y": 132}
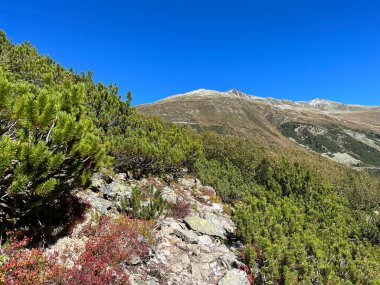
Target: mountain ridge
{"x": 346, "y": 133}
{"x": 316, "y": 103}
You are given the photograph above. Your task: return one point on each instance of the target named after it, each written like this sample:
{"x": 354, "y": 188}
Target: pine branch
{"x": 51, "y": 129}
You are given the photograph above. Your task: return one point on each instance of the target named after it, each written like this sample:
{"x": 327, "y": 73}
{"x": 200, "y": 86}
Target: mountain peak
{"x": 236, "y": 92}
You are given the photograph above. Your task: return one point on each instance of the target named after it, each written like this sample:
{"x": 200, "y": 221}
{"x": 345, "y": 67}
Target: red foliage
{"x": 22, "y": 266}
{"x": 180, "y": 209}
{"x": 109, "y": 245}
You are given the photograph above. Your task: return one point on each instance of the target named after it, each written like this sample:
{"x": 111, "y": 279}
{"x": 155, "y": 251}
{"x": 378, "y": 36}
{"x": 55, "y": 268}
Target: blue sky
{"x": 296, "y": 50}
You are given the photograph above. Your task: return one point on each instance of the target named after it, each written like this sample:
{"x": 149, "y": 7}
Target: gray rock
{"x": 177, "y": 268}
{"x": 169, "y": 195}
{"x": 204, "y": 198}
{"x": 219, "y": 221}
{"x": 121, "y": 176}
{"x": 205, "y": 240}
{"x": 97, "y": 182}
{"x": 102, "y": 205}
{"x": 136, "y": 279}
{"x": 210, "y": 190}
{"x": 116, "y": 190}
{"x": 204, "y": 226}
{"x": 229, "y": 261}
{"x": 196, "y": 271}
{"x": 217, "y": 207}
{"x": 187, "y": 182}
{"x": 234, "y": 277}
{"x": 134, "y": 260}
{"x": 186, "y": 235}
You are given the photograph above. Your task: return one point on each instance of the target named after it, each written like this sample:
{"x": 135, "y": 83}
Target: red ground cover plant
{"x": 109, "y": 245}
{"x": 180, "y": 209}
{"x": 19, "y": 265}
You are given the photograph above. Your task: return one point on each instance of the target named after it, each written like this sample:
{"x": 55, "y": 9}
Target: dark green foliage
{"x": 318, "y": 143}
{"x": 298, "y": 229}
{"x": 144, "y": 203}
{"x": 364, "y": 197}
{"x": 328, "y": 142}
{"x": 368, "y": 155}
{"x": 223, "y": 176}
{"x": 149, "y": 146}
{"x": 47, "y": 144}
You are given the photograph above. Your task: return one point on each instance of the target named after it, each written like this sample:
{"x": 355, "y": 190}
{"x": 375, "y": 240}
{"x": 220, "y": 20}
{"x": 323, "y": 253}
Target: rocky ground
{"x": 197, "y": 248}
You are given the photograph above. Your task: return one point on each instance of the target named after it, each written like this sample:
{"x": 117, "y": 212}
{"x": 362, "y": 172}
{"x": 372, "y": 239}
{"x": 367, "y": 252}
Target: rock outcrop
{"x": 193, "y": 249}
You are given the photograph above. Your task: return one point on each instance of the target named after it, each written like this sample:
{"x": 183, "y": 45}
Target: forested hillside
{"x": 301, "y": 219}
{"x": 299, "y": 226}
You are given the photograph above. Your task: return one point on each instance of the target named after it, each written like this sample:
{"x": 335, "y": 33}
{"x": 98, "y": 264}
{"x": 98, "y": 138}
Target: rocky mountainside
{"x": 196, "y": 247}
{"x": 349, "y": 134}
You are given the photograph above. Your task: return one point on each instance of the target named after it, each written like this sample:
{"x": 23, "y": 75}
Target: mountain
{"x": 349, "y": 134}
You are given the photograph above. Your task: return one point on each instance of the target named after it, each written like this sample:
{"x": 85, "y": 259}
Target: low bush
{"x": 180, "y": 209}
{"x": 19, "y": 265}
{"x": 144, "y": 203}
{"x": 108, "y": 245}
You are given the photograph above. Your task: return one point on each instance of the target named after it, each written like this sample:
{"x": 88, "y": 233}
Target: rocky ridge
{"x": 274, "y": 121}
{"x": 196, "y": 249}
{"x": 317, "y": 103}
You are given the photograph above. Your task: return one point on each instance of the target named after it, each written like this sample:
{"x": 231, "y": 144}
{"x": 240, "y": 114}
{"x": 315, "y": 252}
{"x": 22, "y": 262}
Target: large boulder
{"x": 115, "y": 190}
{"x": 234, "y": 277}
{"x": 186, "y": 235}
{"x": 219, "y": 221}
{"x": 196, "y": 223}
{"x": 100, "y": 204}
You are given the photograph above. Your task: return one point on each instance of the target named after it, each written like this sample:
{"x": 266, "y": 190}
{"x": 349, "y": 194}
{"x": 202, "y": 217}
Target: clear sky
{"x": 291, "y": 49}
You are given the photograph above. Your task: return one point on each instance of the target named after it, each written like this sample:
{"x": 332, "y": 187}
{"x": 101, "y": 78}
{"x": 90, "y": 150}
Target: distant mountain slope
{"x": 346, "y": 133}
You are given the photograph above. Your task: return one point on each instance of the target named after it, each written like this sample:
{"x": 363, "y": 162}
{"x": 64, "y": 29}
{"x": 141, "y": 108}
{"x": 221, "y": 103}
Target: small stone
{"x": 217, "y": 207}
{"x": 219, "y": 221}
{"x": 140, "y": 280}
{"x": 204, "y": 240}
{"x": 116, "y": 190}
{"x": 185, "y": 259}
{"x": 209, "y": 190}
{"x": 134, "y": 260}
{"x": 97, "y": 182}
{"x": 121, "y": 176}
{"x": 204, "y": 199}
{"x": 213, "y": 264}
{"x": 187, "y": 182}
{"x": 196, "y": 271}
{"x": 177, "y": 268}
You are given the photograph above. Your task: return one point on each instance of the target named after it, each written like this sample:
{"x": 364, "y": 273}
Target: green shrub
{"x": 298, "y": 227}
{"x": 47, "y": 144}
{"x": 56, "y": 126}
{"x": 144, "y": 204}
